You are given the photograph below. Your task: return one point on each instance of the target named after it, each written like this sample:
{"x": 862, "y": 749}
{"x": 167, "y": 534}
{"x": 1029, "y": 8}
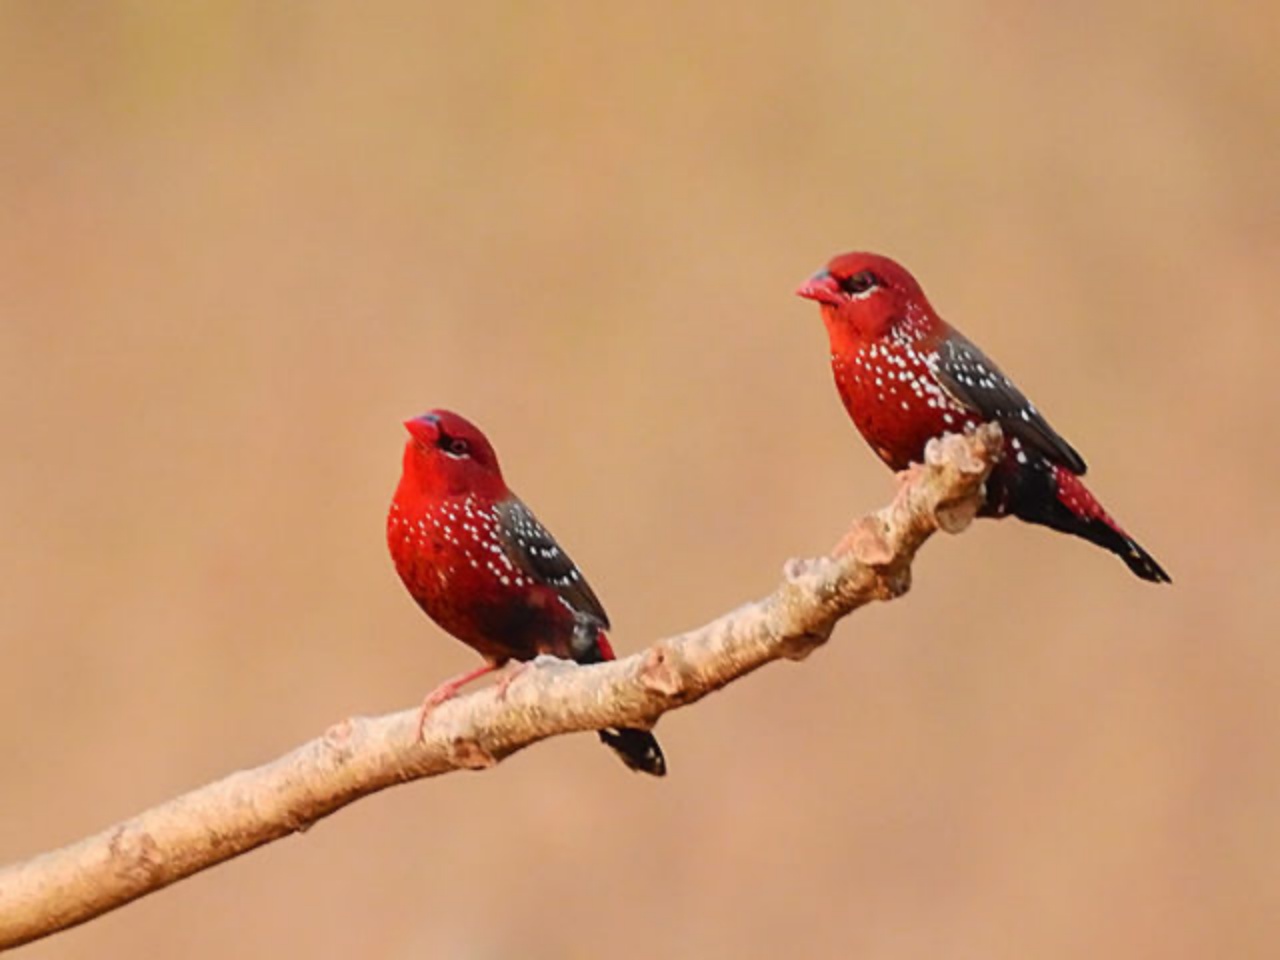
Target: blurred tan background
{"x": 239, "y": 242}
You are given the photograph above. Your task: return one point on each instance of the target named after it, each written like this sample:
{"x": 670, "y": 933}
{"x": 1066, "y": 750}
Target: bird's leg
{"x": 515, "y": 670}
{"x": 449, "y": 688}
{"x": 543, "y": 661}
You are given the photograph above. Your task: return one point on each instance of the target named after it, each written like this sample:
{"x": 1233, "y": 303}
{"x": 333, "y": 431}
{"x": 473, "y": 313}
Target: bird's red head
{"x": 862, "y": 296}
{"x": 447, "y": 455}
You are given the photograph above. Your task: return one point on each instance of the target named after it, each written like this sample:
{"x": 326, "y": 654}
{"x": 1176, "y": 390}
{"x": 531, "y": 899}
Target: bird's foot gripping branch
{"x": 362, "y": 755}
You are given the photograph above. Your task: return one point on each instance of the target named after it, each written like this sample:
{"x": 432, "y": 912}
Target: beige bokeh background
{"x": 240, "y": 242}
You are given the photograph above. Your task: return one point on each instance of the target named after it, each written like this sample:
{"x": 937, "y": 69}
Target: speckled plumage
{"x": 479, "y": 563}
{"x": 905, "y": 376}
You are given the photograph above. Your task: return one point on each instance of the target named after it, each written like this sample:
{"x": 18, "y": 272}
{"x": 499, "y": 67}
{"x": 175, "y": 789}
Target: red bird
{"x": 906, "y": 375}
{"x": 480, "y": 564}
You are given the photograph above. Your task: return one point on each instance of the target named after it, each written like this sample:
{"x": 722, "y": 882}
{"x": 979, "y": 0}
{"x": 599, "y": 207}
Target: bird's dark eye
{"x": 860, "y": 283}
{"x": 455, "y": 446}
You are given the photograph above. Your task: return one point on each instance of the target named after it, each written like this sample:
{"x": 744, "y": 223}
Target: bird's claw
{"x": 434, "y": 699}
{"x": 505, "y": 683}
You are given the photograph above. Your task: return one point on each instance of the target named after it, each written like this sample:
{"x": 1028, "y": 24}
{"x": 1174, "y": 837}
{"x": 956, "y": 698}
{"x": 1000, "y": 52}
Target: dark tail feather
{"x": 638, "y": 749}
{"x": 1122, "y": 545}
{"x": 1067, "y": 505}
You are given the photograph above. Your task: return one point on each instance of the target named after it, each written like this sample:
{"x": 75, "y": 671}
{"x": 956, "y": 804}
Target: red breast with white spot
{"x": 891, "y": 393}
{"x": 451, "y": 560}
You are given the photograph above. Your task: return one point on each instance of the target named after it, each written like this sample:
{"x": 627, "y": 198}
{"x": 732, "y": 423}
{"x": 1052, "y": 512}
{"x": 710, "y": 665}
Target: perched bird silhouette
{"x": 906, "y": 376}
{"x": 477, "y": 560}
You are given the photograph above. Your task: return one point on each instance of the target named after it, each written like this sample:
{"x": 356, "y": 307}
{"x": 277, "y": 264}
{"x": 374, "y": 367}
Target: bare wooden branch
{"x": 363, "y": 755}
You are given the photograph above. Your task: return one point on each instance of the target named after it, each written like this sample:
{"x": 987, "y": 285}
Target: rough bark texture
{"x": 363, "y": 755}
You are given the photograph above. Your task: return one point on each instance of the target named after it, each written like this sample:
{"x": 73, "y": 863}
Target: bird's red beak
{"x": 423, "y": 429}
{"x": 821, "y": 287}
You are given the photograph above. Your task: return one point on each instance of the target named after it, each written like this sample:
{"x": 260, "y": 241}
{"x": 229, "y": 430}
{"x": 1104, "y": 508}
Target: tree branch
{"x": 363, "y": 755}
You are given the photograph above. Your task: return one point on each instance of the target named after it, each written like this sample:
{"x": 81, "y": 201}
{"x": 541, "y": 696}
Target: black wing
{"x": 969, "y": 376}
{"x": 536, "y": 554}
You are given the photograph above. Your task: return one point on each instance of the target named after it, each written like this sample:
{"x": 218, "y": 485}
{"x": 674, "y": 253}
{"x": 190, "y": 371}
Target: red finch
{"x": 477, "y": 560}
{"x": 906, "y": 375}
